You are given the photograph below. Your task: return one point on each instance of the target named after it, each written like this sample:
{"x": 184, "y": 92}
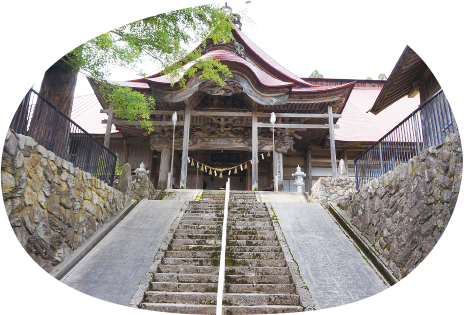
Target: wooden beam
{"x": 185, "y": 145}
{"x": 254, "y": 148}
{"x": 298, "y": 115}
{"x": 138, "y": 123}
{"x": 106, "y": 143}
{"x": 333, "y": 153}
{"x": 237, "y": 114}
{"x": 297, "y": 126}
{"x": 308, "y": 169}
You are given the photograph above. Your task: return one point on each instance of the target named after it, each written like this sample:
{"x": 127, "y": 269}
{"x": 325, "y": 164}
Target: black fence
{"x": 37, "y": 118}
{"x": 427, "y": 126}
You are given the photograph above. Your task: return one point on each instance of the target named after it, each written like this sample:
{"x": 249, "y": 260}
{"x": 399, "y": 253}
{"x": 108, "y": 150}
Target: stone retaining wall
{"x": 53, "y": 207}
{"x": 404, "y": 212}
{"x": 142, "y": 187}
{"x": 332, "y": 189}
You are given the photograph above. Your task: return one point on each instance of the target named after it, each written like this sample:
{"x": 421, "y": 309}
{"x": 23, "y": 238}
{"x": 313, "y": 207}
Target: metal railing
{"x": 222, "y": 261}
{"x": 427, "y": 126}
{"x": 39, "y": 119}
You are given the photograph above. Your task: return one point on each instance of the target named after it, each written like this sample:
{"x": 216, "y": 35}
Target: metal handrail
{"x": 39, "y": 119}
{"x": 222, "y": 262}
{"x": 426, "y": 126}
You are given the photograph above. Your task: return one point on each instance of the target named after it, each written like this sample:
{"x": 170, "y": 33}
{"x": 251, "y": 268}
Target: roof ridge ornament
{"x": 236, "y": 18}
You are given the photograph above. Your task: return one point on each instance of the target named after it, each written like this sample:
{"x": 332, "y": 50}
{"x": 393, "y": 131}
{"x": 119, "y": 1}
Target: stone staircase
{"x": 257, "y": 279}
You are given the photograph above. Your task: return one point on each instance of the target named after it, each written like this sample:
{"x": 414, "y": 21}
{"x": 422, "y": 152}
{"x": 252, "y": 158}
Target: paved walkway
{"x": 333, "y": 269}
{"x": 113, "y": 269}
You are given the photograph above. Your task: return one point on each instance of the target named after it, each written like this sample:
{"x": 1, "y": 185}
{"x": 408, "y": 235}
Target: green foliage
{"x": 117, "y": 169}
{"x": 382, "y": 76}
{"x": 101, "y": 166}
{"x": 160, "y": 39}
{"x": 368, "y": 78}
{"x": 316, "y": 74}
{"x": 129, "y": 104}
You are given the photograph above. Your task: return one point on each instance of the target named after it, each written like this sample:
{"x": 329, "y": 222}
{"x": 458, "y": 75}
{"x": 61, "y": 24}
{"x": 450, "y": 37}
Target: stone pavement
{"x": 290, "y": 197}
{"x": 332, "y": 267}
{"x": 112, "y": 269}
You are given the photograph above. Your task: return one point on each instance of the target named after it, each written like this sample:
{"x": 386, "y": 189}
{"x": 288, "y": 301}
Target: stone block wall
{"x": 404, "y": 212}
{"x": 53, "y": 207}
{"x": 142, "y": 187}
{"x": 333, "y": 189}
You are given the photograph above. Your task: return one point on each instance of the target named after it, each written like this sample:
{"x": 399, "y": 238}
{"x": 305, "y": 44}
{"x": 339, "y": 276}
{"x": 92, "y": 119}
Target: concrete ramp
{"x": 111, "y": 271}
{"x": 182, "y": 194}
{"x": 279, "y": 197}
{"x": 334, "y": 270}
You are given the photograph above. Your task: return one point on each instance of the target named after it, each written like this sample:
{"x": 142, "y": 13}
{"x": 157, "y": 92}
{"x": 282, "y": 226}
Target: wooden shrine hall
{"x": 226, "y": 131}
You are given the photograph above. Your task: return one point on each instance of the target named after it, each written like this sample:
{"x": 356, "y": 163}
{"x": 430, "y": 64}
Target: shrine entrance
{"x": 210, "y": 169}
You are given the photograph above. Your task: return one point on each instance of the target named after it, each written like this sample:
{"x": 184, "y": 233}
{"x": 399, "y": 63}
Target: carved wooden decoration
{"x": 284, "y": 143}
{"x": 231, "y": 87}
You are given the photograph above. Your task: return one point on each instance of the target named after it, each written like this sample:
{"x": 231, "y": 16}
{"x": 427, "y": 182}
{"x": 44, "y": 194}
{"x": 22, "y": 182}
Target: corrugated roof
{"x": 268, "y": 60}
{"x": 357, "y": 125}
{"x": 408, "y": 69}
{"x": 227, "y": 56}
{"x": 86, "y": 113}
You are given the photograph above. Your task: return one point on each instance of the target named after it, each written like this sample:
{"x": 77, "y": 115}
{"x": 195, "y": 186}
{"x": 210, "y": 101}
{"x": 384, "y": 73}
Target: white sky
{"x": 301, "y": 39}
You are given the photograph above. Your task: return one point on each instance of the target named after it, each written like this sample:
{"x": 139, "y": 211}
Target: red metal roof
{"x": 137, "y": 85}
{"x": 268, "y": 60}
{"x": 227, "y": 56}
{"x": 86, "y": 113}
{"x": 357, "y": 125}
{"x": 314, "y": 88}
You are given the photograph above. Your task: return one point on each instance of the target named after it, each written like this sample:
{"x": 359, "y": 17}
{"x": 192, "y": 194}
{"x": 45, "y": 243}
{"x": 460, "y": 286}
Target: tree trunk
{"x": 58, "y": 86}
{"x": 50, "y": 129}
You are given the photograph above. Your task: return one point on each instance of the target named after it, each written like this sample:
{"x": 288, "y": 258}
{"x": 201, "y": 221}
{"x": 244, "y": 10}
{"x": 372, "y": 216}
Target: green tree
{"x": 316, "y": 74}
{"x": 160, "y": 38}
{"x": 382, "y": 76}
{"x": 368, "y": 78}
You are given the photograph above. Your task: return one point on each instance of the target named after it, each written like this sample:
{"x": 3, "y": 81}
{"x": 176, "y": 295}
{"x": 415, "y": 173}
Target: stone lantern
{"x": 299, "y": 182}
{"x": 141, "y": 170}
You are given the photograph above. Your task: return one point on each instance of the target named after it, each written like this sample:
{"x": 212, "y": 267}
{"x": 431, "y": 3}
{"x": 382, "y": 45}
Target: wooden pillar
{"x": 280, "y": 170}
{"x": 165, "y": 160}
{"x": 333, "y": 156}
{"x": 308, "y": 171}
{"x": 254, "y": 148}
{"x": 345, "y": 158}
{"x": 106, "y": 143}
{"x": 185, "y": 143}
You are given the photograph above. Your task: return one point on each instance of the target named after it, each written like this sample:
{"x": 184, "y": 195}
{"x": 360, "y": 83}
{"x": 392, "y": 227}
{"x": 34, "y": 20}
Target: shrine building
{"x": 226, "y": 131}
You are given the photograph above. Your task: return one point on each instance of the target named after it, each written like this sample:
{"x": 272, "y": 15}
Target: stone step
{"x": 251, "y": 237}
{"x": 261, "y": 279}
{"x": 197, "y": 236}
{"x": 252, "y": 243}
{"x": 186, "y": 278}
{"x": 193, "y": 254}
{"x": 192, "y": 309}
{"x": 226, "y": 310}
{"x": 231, "y": 222}
{"x": 255, "y": 262}
{"x": 249, "y": 223}
{"x": 181, "y": 297}
{"x": 253, "y": 248}
{"x": 200, "y": 242}
{"x": 257, "y": 271}
{"x": 241, "y": 227}
{"x": 248, "y": 216}
{"x": 199, "y": 231}
{"x": 244, "y": 299}
{"x": 185, "y": 287}
{"x": 194, "y": 247}
{"x": 260, "y": 288}
{"x": 250, "y": 232}
{"x": 183, "y": 269}
{"x": 255, "y": 255}
{"x": 193, "y": 261}
{"x": 182, "y": 226}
